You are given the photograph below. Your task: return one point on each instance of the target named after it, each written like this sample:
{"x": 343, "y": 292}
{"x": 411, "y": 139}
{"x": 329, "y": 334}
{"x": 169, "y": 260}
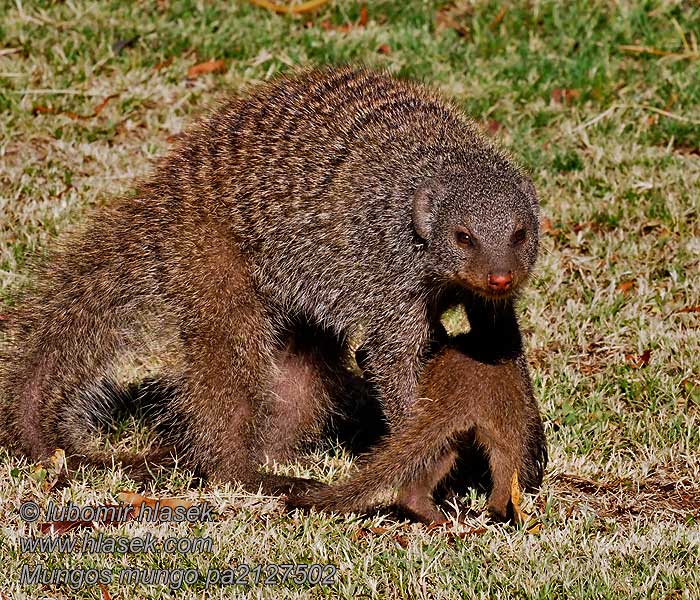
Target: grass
{"x": 612, "y": 137}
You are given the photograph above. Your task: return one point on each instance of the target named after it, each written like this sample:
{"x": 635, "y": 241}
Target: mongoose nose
{"x": 500, "y": 282}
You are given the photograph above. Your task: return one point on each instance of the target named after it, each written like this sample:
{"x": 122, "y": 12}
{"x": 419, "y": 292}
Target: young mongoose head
{"x": 479, "y": 223}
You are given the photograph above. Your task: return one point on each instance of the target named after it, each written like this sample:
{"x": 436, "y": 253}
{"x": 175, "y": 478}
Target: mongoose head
{"x": 479, "y": 226}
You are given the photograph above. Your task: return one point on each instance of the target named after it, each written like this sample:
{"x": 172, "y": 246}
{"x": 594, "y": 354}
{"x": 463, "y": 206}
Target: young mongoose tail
{"x": 342, "y": 198}
{"x": 459, "y": 395}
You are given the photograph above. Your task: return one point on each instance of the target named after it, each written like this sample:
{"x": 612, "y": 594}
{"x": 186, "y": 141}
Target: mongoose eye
{"x": 519, "y": 236}
{"x": 464, "y": 238}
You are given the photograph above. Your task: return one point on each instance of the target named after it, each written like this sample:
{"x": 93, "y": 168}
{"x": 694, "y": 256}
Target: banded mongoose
{"x": 466, "y": 398}
{"x": 342, "y": 198}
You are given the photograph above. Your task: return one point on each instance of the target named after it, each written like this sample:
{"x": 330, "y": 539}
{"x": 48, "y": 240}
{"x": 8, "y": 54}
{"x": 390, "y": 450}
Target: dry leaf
{"x": 467, "y": 532}
{"x": 163, "y": 64}
{"x": 211, "y": 66}
{"x": 363, "y": 16}
{"x": 637, "y": 362}
{"x": 137, "y": 501}
{"x": 48, "y": 110}
{"x": 57, "y": 461}
{"x": 626, "y": 286}
{"x": 293, "y": 9}
{"x": 401, "y": 540}
{"x": 564, "y": 96}
{"x": 450, "y": 16}
{"x": 520, "y": 516}
{"x": 547, "y": 228}
{"x": 498, "y": 18}
{"x": 687, "y": 309}
{"x": 105, "y": 593}
{"x": 63, "y": 527}
{"x": 536, "y": 528}
{"x": 384, "y": 49}
{"x": 492, "y": 127}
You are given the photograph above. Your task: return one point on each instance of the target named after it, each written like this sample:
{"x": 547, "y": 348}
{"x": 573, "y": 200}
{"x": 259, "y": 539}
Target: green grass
{"x": 617, "y": 167}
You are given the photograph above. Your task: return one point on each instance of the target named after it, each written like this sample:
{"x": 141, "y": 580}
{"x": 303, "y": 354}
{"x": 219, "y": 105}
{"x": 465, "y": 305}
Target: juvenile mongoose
{"x": 343, "y": 198}
{"x": 465, "y": 397}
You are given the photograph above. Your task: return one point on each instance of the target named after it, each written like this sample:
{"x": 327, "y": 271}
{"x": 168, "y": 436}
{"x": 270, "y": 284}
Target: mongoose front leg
{"x": 392, "y": 362}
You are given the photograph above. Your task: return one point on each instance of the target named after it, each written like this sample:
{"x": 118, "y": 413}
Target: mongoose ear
{"x": 422, "y": 202}
{"x": 528, "y": 189}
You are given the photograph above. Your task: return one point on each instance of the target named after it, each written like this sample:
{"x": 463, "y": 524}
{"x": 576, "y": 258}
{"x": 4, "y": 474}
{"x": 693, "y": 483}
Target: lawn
{"x": 599, "y": 101}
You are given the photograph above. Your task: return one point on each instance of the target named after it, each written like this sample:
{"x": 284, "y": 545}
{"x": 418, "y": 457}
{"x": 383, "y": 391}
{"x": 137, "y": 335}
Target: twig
{"x": 58, "y": 92}
{"x": 284, "y": 9}
{"x": 597, "y": 118}
{"x": 665, "y": 113}
{"x": 645, "y": 50}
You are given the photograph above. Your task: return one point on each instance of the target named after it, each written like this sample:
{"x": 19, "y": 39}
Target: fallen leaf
{"x": 687, "y": 309}
{"x": 637, "y": 362}
{"x": 384, "y": 49}
{"x": 467, "y": 532}
{"x": 362, "y": 21}
{"x": 626, "y": 286}
{"x": 163, "y": 64}
{"x": 687, "y": 149}
{"x": 105, "y": 593}
{"x": 449, "y": 17}
{"x": 293, "y": 9}
{"x": 564, "y": 96}
{"x": 211, "y": 66}
{"x": 581, "y": 226}
{"x": 492, "y": 127}
{"x": 57, "y": 461}
{"x": 498, "y": 18}
{"x": 137, "y": 501}
{"x": 48, "y": 110}
{"x": 653, "y": 226}
{"x": 63, "y": 527}
{"x": 401, "y": 540}
{"x": 535, "y": 529}
{"x": 547, "y": 228}
{"x": 520, "y": 516}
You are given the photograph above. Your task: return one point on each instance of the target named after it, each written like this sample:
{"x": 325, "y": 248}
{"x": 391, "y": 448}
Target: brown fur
{"x": 462, "y": 400}
{"x": 329, "y": 199}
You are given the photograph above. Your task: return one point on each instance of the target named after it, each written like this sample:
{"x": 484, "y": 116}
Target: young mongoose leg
{"x": 415, "y": 499}
{"x": 458, "y": 395}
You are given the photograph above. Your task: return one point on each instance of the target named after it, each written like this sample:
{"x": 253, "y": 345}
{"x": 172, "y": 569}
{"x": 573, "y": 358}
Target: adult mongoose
{"x": 341, "y": 198}
{"x": 466, "y": 398}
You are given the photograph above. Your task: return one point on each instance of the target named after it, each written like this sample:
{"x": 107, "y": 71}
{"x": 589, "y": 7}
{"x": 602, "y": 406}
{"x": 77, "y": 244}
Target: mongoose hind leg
{"x": 78, "y": 320}
{"x": 308, "y": 389}
{"x": 229, "y": 342}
